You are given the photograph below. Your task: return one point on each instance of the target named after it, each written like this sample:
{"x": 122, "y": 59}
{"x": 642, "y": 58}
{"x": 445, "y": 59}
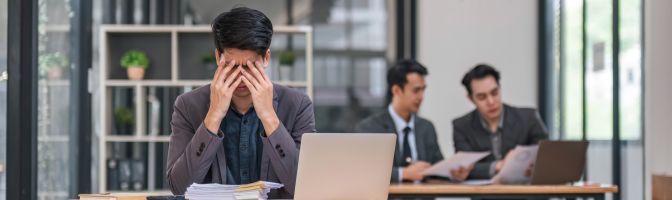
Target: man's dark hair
{"x": 396, "y": 75}
{"x": 479, "y": 72}
{"x": 242, "y": 28}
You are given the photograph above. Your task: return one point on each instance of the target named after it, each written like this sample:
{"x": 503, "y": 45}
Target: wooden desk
{"x": 499, "y": 191}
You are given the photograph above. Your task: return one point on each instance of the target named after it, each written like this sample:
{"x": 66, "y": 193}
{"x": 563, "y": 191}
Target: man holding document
{"x": 493, "y": 126}
{"x": 417, "y": 147}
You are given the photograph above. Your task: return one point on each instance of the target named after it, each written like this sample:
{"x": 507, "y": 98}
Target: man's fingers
{"x": 216, "y": 75}
{"x": 230, "y": 78}
{"x": 227, "y": 69}
{"x": 252, "y": 79}
{"x": 254, "y": 70}
{"x": 236, "y": 83}
{"x": 260, "y": 67}
{"x": 249, "y": 85}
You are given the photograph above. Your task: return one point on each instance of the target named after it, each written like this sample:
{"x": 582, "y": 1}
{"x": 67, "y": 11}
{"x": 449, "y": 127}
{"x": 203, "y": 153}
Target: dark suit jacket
{"x": 522, "y": 126}
{"x": 197, "y": 156}
{"x": 425, "y": 138}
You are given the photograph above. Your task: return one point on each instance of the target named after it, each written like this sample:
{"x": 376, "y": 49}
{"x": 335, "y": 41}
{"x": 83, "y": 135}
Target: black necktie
{"x": 406, "y": 152}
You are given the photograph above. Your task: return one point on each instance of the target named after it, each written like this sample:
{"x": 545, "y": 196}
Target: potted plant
{"x": 135, "y": 62}
{"x": 123, "y": 118}
{"x": 210, "y": 63}
{"x": 286, "y": 64}
{"x": 53, "y": 64}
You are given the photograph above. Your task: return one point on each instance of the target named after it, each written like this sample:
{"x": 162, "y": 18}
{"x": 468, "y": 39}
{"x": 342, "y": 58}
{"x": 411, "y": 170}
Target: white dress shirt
{"x": 400, "y": 124}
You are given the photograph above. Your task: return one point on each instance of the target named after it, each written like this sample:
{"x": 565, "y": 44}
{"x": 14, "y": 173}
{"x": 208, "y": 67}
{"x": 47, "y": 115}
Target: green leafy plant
{"x": 287, "y": 58}
{"x": 208, "y": 58}
{"x": 134, "y": 58}
{"x": 123, "y": 116}
{"x": 52, "y": 60}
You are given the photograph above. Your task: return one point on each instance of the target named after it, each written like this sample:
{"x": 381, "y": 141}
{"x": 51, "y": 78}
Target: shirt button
{"x": 244, "y": 121}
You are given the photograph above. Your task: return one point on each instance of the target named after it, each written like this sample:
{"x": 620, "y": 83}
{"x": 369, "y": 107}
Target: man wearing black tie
{"x": 417, "y": 147}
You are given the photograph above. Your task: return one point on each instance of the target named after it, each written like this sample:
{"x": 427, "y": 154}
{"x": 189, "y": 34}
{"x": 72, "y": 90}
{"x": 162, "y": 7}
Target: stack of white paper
{"x": 257, "y": 191}
{"x": 460, "y": 159}
{"x": 519, "y": 161}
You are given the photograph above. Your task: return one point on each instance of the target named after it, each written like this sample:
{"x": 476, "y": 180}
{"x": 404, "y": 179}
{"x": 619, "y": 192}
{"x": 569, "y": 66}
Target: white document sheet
{"x": 463, "y": 159}
{"x": 513, "y": 171}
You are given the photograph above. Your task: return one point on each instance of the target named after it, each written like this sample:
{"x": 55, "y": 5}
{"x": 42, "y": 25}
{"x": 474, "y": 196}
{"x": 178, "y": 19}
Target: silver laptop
{"x": 344, "y": 166}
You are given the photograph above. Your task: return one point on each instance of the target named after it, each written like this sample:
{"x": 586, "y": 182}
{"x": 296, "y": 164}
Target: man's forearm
{"x": 271, "y": 123}
{"x": 212, "y": 122}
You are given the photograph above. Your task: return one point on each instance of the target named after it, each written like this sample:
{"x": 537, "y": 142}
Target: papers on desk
{"x": 460, "y": 159}
{"x": 117, "y": 196}
{"x": 257, "y": 191}
{"x": 519, "y": 160}
{"x": 513, "y": 171}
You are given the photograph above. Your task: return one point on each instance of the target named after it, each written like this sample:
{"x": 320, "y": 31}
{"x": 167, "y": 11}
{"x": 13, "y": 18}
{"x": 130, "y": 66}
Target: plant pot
{"x": 286, "y": 72}
{"x": 55, "y": 73}
{"x": 124, "y": 129}
{"x": 135, "y": 72}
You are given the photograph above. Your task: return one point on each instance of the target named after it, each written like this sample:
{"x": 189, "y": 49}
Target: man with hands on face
{"x": 417, "y": 145}
{"x": 241, "y": 128}
{"x": 493, "y": 126}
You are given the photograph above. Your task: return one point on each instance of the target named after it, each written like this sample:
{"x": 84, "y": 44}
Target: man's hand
{"x": 528, "y": 171}
{"x": 261, "y": 89}
{"x": 413, "y": 172}
{"x": 221, "y": 90}
{"x": 461, "y": 173}
{"x": 500, "y": 163}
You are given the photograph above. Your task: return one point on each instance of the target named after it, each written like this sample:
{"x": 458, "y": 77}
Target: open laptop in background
{"x": 345, "y": 166}
{"x": 559, "y": 162}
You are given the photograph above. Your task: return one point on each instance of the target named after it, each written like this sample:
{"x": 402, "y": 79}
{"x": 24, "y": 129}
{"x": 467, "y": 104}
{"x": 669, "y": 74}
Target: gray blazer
{"x": 521, "y": 126}
{"x": 197, "y": 156}
{"x": 425, "y": 138}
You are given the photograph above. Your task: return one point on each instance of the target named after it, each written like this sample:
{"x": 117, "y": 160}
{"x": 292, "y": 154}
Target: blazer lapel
{"x": 265, "y": 160}
{"x": 221, "y": 161}
{"x": 388, "y": 126}
{"x": 275, "y": 99}
{"x": 419, "y": 140}
{"x": 480, "y": 134}
{"x": 509, "y": 133}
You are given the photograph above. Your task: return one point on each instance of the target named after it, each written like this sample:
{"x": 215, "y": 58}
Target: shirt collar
{"x": 501, "y": 121}
{"x": 399, "y": 122}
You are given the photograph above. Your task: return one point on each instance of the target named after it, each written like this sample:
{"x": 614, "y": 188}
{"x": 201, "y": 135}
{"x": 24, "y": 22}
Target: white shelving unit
{"x": 140, "y": 87}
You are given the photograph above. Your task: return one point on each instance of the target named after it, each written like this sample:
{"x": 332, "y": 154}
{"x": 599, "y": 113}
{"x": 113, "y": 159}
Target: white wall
{"x": 658, "y": 95}
{"x": 455, "y": 35}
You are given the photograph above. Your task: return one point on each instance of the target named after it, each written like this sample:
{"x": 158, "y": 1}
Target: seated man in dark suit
{"x": 240, "y": 128}
{"x": 493, "y": 126}
{"x": 417, "y": 146}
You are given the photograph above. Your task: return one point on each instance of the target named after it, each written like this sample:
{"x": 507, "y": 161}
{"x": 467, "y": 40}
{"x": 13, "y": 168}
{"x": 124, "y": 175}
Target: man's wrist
{"x": 212, "y": 122}
{"x": 270, "y": 122}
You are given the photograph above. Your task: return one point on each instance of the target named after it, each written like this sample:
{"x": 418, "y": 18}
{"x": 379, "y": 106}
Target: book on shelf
{"x": 138, "y": 174}
{"x": 112, "y": 174}
{"x": 124, "y": 175}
